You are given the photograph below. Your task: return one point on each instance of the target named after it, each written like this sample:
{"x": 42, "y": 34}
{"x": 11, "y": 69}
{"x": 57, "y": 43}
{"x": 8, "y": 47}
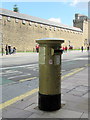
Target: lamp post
{"x": 2, "y": 43}
{"x": 69, "y": 43}
{"x": 2, "y": 49}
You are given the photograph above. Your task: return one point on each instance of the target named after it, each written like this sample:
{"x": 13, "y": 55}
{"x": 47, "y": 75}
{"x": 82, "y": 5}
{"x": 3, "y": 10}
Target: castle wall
{"x": 78, "y": 24}
{"x": 83, "y": 22}
{"x": 23, "y": 33}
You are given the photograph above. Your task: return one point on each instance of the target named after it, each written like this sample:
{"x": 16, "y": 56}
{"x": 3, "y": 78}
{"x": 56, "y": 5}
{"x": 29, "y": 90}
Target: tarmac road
{"x": 20, "y": 72}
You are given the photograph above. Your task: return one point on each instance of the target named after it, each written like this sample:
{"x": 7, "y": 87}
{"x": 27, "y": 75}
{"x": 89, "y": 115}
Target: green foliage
{"x": 15, "y": 8}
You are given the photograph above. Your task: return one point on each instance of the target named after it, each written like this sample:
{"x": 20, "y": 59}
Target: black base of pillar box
{"x": 49, "y": 102}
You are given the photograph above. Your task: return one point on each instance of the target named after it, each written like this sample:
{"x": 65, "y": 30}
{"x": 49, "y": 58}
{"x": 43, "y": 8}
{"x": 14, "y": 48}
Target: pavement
{"x": 74, "y": 100}
{"x": 28, "y": 53}
{"x": 17, "y": 54}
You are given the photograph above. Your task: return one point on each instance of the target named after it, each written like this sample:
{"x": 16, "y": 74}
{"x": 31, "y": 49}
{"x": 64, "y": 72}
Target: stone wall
{"x": 23, "y": 33}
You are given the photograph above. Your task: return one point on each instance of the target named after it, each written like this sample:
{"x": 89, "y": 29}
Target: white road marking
{"x": 35, "y": 69}
{"x": 18, "y": 76}
{"x": 8, "y": 72}
{"x": 12, "y": 74}
{"x": 32, "y": 65}
{"x": 11, "y": 71}
{"x": 76, "y": 59}
{"x": 81, "y": 58}
{"x": 17, "y": 66}
{"x": 63, "y": 70}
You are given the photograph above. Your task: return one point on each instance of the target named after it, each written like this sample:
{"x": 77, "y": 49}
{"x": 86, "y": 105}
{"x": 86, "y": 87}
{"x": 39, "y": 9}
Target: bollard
{"x": 49, "y": 74}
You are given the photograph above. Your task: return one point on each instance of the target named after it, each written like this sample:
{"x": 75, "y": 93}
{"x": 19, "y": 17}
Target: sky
{"x": 59, "y": 11}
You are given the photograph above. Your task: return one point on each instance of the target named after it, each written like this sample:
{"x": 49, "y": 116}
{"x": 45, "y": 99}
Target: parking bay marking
{"x": 19, "y": 76}
{"x": 9, "y": 102}
{"x": 10, "y": 72}
{"x": 67, "y": 75}
{"x": 17, "y": 66}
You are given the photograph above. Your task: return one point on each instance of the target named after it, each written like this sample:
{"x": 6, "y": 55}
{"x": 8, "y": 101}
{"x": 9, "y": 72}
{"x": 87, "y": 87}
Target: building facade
{"x": 21, "y": 30}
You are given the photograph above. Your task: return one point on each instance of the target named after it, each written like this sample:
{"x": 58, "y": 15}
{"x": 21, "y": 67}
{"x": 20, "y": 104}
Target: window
{"x": 50, "y": 27}
{"x": 71, "y": 31}
{"x": 61, "y": 29}
{"x": 54, "y": 28}
{"x": 23, "y": 21}
{"x": 58, "y": 29}
{"x": 30, "y": 23}
{"x": 46, "y": 27}
{"x": 16, "y": 20}
{"x": 5, "y": 22}
{"x": 0, "y": 17}
{"x": 8, "y": 18}
{"x": 36, "y": 24}
{"x": 41, "y": 25}
{"x": 65, "y": 30}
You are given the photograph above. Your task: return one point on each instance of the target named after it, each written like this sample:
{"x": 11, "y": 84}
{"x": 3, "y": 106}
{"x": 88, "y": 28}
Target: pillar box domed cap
{"x": 54, "y": 41}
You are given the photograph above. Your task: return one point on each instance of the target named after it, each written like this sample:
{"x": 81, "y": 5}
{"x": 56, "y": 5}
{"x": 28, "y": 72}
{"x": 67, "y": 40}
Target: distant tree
{"x": 15, "y": 8}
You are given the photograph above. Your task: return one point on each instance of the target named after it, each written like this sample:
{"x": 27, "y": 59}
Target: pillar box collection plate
{"x": 49, "y": 73}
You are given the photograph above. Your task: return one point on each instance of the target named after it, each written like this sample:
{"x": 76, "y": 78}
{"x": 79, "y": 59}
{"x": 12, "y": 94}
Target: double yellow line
{"x": 9, "y": 102}
{"x": 67, "y": 75}
{"x": 74, "y": 72}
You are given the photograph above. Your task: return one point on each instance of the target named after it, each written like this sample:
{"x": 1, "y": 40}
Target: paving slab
{"x": 58, "y": 114}
{"x": 76, "y": 106}
{"x": 15, "y": 113}
{"x": 25, "y": 103}
{"x": 74, "y": 102}
{"x": 85, "y": 115}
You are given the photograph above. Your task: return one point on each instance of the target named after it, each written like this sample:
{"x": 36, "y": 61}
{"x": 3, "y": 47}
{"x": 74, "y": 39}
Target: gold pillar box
{"x": 50, "y": 73}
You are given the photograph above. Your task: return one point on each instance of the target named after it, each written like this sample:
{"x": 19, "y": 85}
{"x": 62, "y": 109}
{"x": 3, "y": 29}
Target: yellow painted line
{"x": 72, "y": 73}
{"x": 87, "y": 65}
{"x": 69, "y": 74}
{"x": 27, "y": 79}
{"x": 9, "y": 102}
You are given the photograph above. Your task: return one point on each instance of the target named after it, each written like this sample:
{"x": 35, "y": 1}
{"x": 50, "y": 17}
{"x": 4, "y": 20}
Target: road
{"x": 19, "y": 74}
